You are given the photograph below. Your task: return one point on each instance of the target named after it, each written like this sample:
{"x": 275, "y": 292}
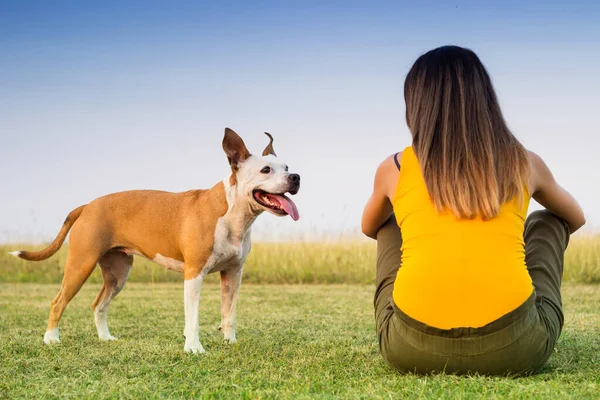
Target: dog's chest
{"x": 229, "y": 249}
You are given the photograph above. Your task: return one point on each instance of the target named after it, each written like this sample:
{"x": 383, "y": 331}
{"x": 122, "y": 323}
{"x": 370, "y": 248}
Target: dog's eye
{"x": 286, "y": 168}
{"x": 266, "y": 170}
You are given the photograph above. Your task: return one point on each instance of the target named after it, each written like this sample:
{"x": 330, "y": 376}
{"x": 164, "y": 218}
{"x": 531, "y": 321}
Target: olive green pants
{"x": 518, "y": 343}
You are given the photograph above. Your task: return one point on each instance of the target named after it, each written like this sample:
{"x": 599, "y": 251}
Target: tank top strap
{"x": 406, "y": 166}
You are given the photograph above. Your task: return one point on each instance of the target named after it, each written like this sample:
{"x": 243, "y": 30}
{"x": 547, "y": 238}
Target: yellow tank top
{"x": 456, "y": 273}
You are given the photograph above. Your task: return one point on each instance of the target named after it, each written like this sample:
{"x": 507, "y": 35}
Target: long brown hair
{"x": 471, "y": 162}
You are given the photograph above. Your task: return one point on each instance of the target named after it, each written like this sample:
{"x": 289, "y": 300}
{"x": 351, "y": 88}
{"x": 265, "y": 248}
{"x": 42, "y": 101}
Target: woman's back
{"x": 456, "y": 272}
{"x": 455, "y": 284}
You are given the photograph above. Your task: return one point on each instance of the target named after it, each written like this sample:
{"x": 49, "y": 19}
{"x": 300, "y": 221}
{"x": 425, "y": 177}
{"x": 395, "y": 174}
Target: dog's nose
{"x": 294, "y": 178}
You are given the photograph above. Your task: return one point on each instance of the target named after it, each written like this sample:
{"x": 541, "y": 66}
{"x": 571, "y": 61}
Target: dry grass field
{"x": 342, "y": 261}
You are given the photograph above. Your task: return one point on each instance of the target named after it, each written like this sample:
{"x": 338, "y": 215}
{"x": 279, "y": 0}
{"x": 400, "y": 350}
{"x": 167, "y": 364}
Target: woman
{"x": 468, "y": 284}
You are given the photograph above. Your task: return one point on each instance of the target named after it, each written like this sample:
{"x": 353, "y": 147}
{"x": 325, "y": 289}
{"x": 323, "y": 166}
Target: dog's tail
{"x": 55, "y": 245}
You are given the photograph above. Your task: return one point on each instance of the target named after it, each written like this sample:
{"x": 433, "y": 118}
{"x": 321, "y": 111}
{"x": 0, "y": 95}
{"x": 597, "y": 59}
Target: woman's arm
{"x": 546, "y": 191}
{"x": 379, "y": 208}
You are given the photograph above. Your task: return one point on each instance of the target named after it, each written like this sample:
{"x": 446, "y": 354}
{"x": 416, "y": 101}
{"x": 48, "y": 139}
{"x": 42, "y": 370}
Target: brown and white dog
{"x": 194, "y": 232}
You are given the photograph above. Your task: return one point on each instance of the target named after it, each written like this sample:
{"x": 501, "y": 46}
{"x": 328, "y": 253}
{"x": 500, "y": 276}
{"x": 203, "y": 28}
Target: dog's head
{"x": 262, "y": 180}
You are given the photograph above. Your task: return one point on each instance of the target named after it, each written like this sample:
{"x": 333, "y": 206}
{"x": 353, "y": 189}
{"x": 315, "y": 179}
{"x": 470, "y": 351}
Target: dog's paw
{"x": 52, "y": 341}
{"x": 228, "y": 331}
{"x": 51, "y": 337}
{"x": 108, "y": 338}
{"x": 229, "y": 336}
{"x": 230, "y": 340}
{"x": 194, "y": 348}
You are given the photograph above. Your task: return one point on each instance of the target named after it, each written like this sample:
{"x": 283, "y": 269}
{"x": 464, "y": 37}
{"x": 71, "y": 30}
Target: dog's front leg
{"x": 191, "y": 332}
{"x": 231, "y": 280}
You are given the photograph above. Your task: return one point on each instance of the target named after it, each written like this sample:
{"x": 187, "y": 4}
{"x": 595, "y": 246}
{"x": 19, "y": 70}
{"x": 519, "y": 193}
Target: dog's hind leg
{"x": 115, "y": 267}
{"x": 78, "y": 268}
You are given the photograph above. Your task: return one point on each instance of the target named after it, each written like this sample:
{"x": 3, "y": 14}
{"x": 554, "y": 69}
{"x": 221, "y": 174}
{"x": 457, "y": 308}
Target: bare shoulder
{"x": 540, "y": 173}
{"x": 386, "y": 177}
{"x": 538, "y": 165}
{"x": 389, "y": 163}
{"x": 534, "y": 159}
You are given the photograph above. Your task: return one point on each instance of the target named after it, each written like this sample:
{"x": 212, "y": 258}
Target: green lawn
{"x": 293, "y": 342}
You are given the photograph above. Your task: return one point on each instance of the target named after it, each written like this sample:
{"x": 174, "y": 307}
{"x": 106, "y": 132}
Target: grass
{"x": 582, "y": 260}
{"x": 294, "y": 341}
{"x": 286, "y": 263}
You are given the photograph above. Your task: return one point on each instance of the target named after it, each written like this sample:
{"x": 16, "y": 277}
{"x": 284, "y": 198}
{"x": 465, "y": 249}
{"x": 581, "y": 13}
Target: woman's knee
{"x": 544, "y": 218}
{"x": 389, "y": 231}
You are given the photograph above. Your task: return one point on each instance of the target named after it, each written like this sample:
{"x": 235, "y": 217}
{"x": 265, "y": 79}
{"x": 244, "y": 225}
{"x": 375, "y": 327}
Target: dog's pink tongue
{"x": 289, "y": 207}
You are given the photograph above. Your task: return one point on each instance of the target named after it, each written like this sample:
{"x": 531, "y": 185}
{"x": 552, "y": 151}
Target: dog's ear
{"x": 235, "y": 149}
{"x": 269, "y": 149}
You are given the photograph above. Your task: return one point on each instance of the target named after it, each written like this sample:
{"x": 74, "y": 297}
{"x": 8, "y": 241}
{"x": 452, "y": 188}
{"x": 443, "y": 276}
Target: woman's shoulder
{"x": 534, "y": 158}
{"x": 386, "y": 176}
{"x": 539, "y": 171}
{"x": 390, "y": 163}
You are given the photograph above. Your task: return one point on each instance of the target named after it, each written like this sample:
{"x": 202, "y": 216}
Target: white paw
{"x": 107, "y": 338}
{"x": 230, "y": 340}
{"x": 229, "y": 336}
{"x": 228, "y": 332}
{"x": 51, "y": 337}
{"x": 194, "y": 347}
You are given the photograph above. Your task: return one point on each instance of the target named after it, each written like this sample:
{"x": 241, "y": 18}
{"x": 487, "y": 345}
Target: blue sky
{"x": 99, "y": 98}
